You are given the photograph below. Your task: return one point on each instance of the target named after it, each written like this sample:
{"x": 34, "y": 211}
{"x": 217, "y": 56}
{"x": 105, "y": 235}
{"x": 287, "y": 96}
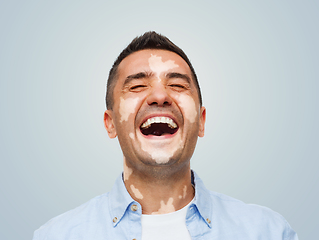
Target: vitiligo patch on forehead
{"x": 136, "y": 192}
{"x": 158, "y": 66}
{"x": 127, "y": 107}
{"x": 188, "y": 105}
{"x": 166, "y": 208}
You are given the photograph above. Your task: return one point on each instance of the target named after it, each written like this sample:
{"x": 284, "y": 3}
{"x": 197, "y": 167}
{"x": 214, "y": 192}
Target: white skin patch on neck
{"x": 127, "y": 107}
{"x": 136, "y": 192}
{"x": 158, "y": 66}
{"x": 127, "y": 171}
{"x": 187, "y": 103}
{"x": 184, "y": 193}
{"x": 166, "y": 208}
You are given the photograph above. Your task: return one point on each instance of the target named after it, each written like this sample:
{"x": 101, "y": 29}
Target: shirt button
{"x": 208, "y": 220}
{"x": 134, "y": 207}
{"x": 115, "y": 219}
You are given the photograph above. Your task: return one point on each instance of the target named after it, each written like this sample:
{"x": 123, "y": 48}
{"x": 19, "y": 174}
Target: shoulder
{"x": 250, "y": 216}
{"x": 76, "y": 220}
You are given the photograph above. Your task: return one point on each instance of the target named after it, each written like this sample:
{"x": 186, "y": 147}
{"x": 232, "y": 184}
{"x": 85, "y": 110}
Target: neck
{"x": 159, "y": 195}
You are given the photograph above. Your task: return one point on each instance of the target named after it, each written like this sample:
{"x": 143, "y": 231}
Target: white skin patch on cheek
{"x": 136, "y": 192}
{"x": 188, "y": 105}
{"x": 127, "y": 107}
{"x": 131, "y": 135}
{"x": 166, "y": 208}
{"x": 158, "y": 66}
{"x": 127, "y": 171}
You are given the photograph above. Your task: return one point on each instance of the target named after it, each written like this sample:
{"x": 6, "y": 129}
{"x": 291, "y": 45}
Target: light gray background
{"x": 257, "y": 62}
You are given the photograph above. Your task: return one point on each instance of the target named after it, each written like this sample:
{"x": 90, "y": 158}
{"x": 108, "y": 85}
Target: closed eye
{"x": 137, "y": 88}
{"x": 178, "y": 87}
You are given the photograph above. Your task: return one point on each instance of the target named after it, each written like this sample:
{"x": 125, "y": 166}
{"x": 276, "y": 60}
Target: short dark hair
{"x": 149, "y": 40}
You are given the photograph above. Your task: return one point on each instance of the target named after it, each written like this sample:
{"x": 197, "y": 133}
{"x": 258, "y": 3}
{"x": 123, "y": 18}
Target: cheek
{"x": 127, "y": 107}
{"x": 188, "y": 106}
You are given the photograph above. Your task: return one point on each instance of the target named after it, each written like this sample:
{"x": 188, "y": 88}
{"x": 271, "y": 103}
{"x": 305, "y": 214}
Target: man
{"x": 154, "y": 107}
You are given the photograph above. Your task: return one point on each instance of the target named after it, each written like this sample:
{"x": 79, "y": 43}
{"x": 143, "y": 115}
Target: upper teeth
{"x": 167, "y": 120}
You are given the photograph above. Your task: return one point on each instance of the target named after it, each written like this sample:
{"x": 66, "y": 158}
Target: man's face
{"x": 156, "y": 113}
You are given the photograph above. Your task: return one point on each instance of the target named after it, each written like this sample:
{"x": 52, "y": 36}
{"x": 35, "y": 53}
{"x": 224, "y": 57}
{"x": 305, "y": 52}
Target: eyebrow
{"x": 178, "y": 75}
{"x": 139, "y": 75}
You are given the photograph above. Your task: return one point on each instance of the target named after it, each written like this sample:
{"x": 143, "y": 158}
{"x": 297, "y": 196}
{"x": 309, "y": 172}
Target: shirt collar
{"x": 203, "y": 200}
{"x": 120, "y": 200}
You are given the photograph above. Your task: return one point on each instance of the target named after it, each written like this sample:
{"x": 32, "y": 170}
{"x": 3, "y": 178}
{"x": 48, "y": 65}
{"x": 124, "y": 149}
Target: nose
{"x": 159, "y": 96}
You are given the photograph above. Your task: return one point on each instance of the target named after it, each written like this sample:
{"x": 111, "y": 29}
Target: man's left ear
{"x": 202, "y": 120}
{"x": 109, "y": 124}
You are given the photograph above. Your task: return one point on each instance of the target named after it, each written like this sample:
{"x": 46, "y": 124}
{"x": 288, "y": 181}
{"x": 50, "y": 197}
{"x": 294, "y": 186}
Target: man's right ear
{"x": 109, "y": 124}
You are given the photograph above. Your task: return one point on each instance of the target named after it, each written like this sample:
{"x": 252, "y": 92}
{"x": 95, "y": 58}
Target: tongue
{"x": 157, "y": 132}
{"x": 158, "y": 129}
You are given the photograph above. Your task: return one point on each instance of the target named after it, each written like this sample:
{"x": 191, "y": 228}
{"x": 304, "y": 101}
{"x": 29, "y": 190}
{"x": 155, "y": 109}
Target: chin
{"x": 162, "y": 158}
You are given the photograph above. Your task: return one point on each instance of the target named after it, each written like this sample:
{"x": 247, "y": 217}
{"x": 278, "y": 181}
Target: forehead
{"x": 144, "y": 61}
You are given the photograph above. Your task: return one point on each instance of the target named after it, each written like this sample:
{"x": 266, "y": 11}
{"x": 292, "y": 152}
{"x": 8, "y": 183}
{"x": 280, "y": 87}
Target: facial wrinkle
{"x": 136, "y": 192}
{"x": 158, "y": 66}
{"x": 188, "y": 105}
{"x": 127, "y": 107}
{"x": 166, "y": 208}
{"x": 127, "y": 171}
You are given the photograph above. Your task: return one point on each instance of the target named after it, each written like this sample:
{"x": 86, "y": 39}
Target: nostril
{"x": 159, "y": 97}
{"x": 157, "y": 103}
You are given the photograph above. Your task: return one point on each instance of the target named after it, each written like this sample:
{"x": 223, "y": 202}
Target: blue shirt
{"x": 115, "y": 215}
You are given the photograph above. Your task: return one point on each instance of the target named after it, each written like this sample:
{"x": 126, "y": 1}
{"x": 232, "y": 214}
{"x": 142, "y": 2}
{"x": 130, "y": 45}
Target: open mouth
{"x": 159, "y": 126}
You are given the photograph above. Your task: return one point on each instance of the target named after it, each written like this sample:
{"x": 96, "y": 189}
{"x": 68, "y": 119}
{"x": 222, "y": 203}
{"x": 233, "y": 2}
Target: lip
{"x": 163, "y": 137}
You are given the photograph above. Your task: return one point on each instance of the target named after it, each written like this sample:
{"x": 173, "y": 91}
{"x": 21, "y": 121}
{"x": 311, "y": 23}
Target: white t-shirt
{"x": 170, "y": 226}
